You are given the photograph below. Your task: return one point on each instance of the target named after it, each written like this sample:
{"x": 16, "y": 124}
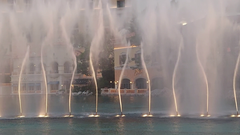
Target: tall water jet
{"x": 174, "y": 76}
{"x": 19, "y": 82}
{"x": 234, "y": 84}
{"x": 95, "y": 44}
{"x": 120, "y": 79}
{"x": 45, "y": 81}
{"x": 148, "y": 78}
{"x": 95, "y": 81}
{"x": 205, "y": 79}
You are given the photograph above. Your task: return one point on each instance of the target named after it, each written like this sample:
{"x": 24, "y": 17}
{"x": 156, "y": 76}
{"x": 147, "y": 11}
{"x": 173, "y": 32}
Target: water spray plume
{"x": 234, "y": 83}
{"x": 205, "y": 79}
{"x": 95, "y": 80}
{"x": 174, "y": 76}
{"x": 120, "y": 79}
{"x": 19, "y": 81}
{"x": 45, "y": 81}
{"x": 149, "y": 83}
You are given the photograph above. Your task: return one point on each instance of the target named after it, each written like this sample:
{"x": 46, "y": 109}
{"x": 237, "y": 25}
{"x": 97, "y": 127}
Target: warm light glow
{"x": 178, "y": 115}
{"x": 21, "y": 116}
{"x": 233, "y": 115}
{"x": 202, "y": 115}
{"x": 41, "y": 116}
{"x": 238, "y": 115}
{"x": 117, "y": 115}
{"x": 208, "y": 115}
{"x": 97, "y": 116}
{"x": 172, "y": 115}
{"x": 147, "y": 115}
{"x": 67, "y": 115}
{"x": 184, "y": 23}
{"x": 125, "y": 47}
{"x": 91, "y": 115}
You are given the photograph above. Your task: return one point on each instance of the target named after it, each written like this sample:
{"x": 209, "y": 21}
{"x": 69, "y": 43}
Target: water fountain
{"x": 52, "y": 34}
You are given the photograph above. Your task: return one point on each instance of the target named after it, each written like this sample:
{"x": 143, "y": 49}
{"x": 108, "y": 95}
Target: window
{"x": 54, "y": 67}
{"x": 54, "y": 86}
{"x": 125, "y": 84}
{"x": 38, "y": 86}
{"x": 138, "y": 59}
{"x": 31, "y": 86}
{"x": 122, "y": 59}
{"x": 31, "y": 68}
{"x": 141, "y": 83}
{"x": 23, "y": 87}
{"x": 15, "y": 87}
{"x": 66, "y": 67}
{"x": 120, "y": 3}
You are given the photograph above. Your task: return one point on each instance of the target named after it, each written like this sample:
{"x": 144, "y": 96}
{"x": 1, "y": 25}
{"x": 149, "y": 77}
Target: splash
{"x": 120, "y": 78}
{"x": 205, "y": 78}
{"x": 234, "y": 83}
{"x": 149, "y": 83}
{"x": 19, "y": 81}
{"x": 174, "y": 76}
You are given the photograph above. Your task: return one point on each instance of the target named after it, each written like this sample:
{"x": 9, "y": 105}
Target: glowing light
{"x": 208, "y": 115}
{"x": 238, "y": 115}
{"x": 184, "y": 23}
{"x": 68, "y": 115}
{"x": 41, "y": 116}
{"x": 233, "y": 115}
{"x": 202, "y": 115}
{"x": 178, "y": 115}
{"x": 117, "y": 115}
{"x": 147, "y": 115}
{"x": 122, "y": 115}
{"x": 21, "y": 116}
{"x": 172, "y": 115}
{"x": 91, "y": 115}
{"x": 205, "y": 77}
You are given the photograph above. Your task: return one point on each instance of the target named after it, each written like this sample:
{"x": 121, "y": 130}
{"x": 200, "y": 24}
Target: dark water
{"x": 133, "y": 123}
{"x": 122, "y": 126}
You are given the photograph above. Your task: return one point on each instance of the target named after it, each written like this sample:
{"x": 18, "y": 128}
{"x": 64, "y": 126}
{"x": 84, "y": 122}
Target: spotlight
{"x": 21, "y": 116}
{"x": 202, "y": 115}
{"x": 92, "y": 115}
{"x": 122, "y": 115}
{"x": 68, "y": 115}
{"x": 233, "y": 115}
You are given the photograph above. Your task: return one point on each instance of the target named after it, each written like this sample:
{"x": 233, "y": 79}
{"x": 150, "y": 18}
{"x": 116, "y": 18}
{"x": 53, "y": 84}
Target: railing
{"x": 112, "y": 91}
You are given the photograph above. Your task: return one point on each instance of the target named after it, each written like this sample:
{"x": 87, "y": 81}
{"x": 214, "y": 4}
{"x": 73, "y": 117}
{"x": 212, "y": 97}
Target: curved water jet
{"x": 19, "y": 82}
{"x": 234, "y": 84}
{"x": 174, "y": 76}
{"x": 205, "y": 78}
{"x": 120, "y": 79}
{"x": 149, "y": 83}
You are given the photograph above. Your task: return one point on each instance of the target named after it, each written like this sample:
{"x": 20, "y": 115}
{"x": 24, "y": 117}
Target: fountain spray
{"x": 174, "y": 76}
{"x": 206, "y": 80}
{"x": 45, "y": 82}
{"x": 19, "y": 82}
{"x": 234, "y": 84}
{"x": 120, "y": 79}
{"x": 95, "y": 81}
{"x": 149, "y": 83}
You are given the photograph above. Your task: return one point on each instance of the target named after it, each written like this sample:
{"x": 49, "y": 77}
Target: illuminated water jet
{"x": 205, "y": 78}
{"x": 234, "y": 84}
{"x": 149, "y": 83}
{"x": 19, "y": 82}
{"x": 95, "y": 81}
{"x": 174, "y": 76}
{"x": 147, "y": 115}
{"x": 120, "y": 79}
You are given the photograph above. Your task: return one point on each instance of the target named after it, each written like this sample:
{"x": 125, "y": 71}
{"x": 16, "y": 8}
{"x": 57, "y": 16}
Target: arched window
{"x": 125, "y": 84}
{"x": 54, "y": 67}
{"x": 66, "y": 67}
{"x": 157, "y": 83}
{"x": 31, "y": 68}
{"x": 141, "y": 83}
